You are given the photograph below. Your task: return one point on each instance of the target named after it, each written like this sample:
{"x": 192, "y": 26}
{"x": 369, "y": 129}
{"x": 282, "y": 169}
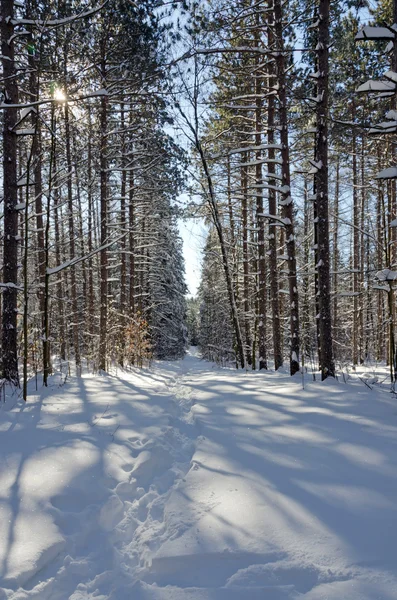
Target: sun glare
{"x": 59, "y": 95}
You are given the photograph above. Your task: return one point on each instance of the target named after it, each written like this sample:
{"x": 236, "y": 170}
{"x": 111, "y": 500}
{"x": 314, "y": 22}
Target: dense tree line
{"x": 292, "y": 163}
{"x": 92, "y": 262}
{"x": 297, "y": 165}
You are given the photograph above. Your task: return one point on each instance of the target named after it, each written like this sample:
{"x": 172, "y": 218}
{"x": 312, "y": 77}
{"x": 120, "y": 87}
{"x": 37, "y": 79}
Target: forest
{"x": 275, "y": 121}
{"x": 238, "y": 443}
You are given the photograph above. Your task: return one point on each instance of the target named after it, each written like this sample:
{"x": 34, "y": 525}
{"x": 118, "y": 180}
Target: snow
{"x": 187, "y": 481}
{"x": 25, "y": 131}
{"x": 316, "y": 166}
{"x": 389, "y": 173}
{"x": 392, "y": 76}
{"x": 384, "y": 127}
{"x": 375, "y": 33}
{"x": 386, "y": 275}
{"x": 26, "y": 111}
{"x": 376, "y": 86}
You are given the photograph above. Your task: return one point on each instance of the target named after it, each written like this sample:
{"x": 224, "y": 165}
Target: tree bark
{"x": 103, "y": 317}
{"x": 286, "y": 201}
{"x": 325, "y": 325}
{"x": 10, "y": 268}
{"x": 260, "y": 221}
{"x": 272, "y": 201}
{"x": 246, "y": 286}
{"x": 72, "y": 247}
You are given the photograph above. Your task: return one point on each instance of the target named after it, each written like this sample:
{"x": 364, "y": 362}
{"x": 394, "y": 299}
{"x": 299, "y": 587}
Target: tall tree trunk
{"x": 72, "y": 245}
{"x": 363, "y": 294}
{"x": 380, "y": 344}
{"x": 246, "y": 274}
{"x": 306, "y": 321}
{"x": 104, "y": 216}
{"x": 355, "y": 249}
{"x": 131, "y": 233}
{"x": 271, "y": 167}
{"x": 260, "y": 221}
{"x": 123, "y": 228}
{"x": 91, "y": 328}
{"x": 10, "y": 195}
{"x": 335, "y": 263}
{"x": 286, "y": 201}
{"x": 325, "y": 325}
{"x": 58, "y": 256}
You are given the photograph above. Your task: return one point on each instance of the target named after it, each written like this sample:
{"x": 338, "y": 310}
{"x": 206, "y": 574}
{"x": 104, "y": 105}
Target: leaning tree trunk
{"x": 10, "y": 268}
{"x": 216, "y": 219}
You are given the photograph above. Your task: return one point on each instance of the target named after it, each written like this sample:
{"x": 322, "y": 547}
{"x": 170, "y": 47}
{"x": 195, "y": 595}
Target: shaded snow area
{"x": 186, "y": 481}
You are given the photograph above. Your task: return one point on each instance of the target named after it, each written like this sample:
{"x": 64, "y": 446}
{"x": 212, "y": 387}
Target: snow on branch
{"x": 391, "y": 75}
{"x": 384, "y": 127}
{"x": 376, "y": 86}
{"x": 389, "y": 173}
{"x": 12, "y": 286}
{"x": 375, "y": 33}
{"x": 74, "y": 261}
{"x": 59, "y": 22}
{"x": 279, "y": 220}
{"x": 386, "y": 275}
{"x": 94, "y": 94}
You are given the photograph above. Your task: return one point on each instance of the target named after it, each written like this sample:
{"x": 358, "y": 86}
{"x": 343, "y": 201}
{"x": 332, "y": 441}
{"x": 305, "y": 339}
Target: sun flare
{"x": 59, "y": 95}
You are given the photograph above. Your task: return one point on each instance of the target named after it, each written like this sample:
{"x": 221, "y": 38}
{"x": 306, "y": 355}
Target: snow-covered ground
{"x": 185, "y": 481}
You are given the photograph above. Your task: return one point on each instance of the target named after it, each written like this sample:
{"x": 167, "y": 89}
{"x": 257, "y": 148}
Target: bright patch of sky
{"x": 193, "y": 233}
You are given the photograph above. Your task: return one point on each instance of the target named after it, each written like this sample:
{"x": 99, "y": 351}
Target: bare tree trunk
{"x": 225, "y": 261}
{"x": 286, "y": 201}
{"x": 271, "y": 167}
{"x": 305, "y": 315}
{"x": 72, "y": 248}
{"x": 58, "y": 255}
{"x": 123, "y": 225}
{"x": 10, "y": 268}
{"x": 363, "y": 295}
{"x": 260, "y": 222}
{"x": 46, "y": 291}
{"x": 246, "y": 286}
{"x": 131, "y": 225}
{"x": 335, "y": 263}
{"x": 356, "y": 252}
{"x": 380, "y": 344}
{"x": 325, "y": 325}
{"x": 104, "y": 216}
{"x": 91, "y": 329}
{"x": 213, "y": 206}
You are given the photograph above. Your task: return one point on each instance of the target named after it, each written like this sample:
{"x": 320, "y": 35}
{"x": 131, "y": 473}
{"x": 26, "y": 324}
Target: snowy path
{"x": 190, "y": 482}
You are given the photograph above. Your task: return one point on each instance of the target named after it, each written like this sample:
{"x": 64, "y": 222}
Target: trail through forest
{"x": 187, "y": 481}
